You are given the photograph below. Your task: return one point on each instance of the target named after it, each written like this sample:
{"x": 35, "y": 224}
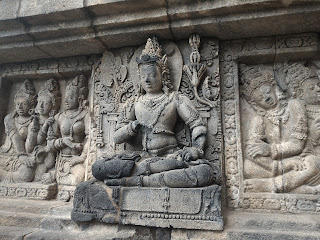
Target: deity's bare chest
{"x": 162, "y": 114}
{"x": 71, "y": 127}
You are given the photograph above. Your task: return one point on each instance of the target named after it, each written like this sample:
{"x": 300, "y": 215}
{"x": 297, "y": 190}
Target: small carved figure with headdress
{"x": 48, "y": 105}
{"x": 303, "y": 83}
{"x": 70, "y": 135}
{"x": 277, "y": 136}
{"x": 17, "y": 163}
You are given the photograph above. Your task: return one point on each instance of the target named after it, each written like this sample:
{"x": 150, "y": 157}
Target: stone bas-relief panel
{"x": 45, "y": 145}
{"x": 158, "y": 137}
{"x": 280, "y": 145}
{"x": 270, "y": 123}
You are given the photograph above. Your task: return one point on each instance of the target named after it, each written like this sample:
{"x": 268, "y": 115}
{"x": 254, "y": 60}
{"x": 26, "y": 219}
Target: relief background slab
{"x": 269, "y": 52}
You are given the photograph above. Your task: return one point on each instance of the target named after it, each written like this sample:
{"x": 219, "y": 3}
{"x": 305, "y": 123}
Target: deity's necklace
{"x": 74, "y": 114}
{"x": 23, "y": 122}
{"x": 153, "y": 102}
{"x": 163, "y": 102}
{"x": 281, "y": 112}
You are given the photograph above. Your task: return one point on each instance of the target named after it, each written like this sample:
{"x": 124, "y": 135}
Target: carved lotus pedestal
{"x": 188, "y": 208}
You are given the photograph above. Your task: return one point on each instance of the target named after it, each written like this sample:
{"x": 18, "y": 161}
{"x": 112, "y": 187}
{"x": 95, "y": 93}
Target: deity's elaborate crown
{"x": 27, "y": 91}
{"x": 79, "y": 84}
{"x": 296, "y": 74}
{"x": 152, "y": 53}
{"x": 252, "y": 78}
{"x": 51, "y": 89}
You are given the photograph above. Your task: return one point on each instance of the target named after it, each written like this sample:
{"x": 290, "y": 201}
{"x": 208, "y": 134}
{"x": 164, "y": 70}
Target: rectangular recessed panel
{"x": 177, "y": 200}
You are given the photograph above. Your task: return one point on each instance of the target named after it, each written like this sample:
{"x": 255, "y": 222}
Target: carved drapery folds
{"x": 270, "y": 99}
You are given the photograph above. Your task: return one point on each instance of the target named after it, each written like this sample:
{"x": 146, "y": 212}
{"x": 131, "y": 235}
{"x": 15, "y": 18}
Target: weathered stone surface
{"x": 106, "y": 7}
{"x": 28, "y": 190}
{"x": 112, "y": 20}
{"x": 45, "y": 7}
{"x": 81, "y": 45}
{"x": 21, "y": 52}
{"x": 170, "y": 159}
{"x": 50, "y": 68}
{"x": 9, "y": 9}
{"x": 250, "y": 85}
{"x": 48, "y": 12}
{"x": 34, "y": 219}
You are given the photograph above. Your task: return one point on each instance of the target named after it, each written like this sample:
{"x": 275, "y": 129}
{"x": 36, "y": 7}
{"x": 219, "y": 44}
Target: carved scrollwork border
{"x": 257, "y": 51}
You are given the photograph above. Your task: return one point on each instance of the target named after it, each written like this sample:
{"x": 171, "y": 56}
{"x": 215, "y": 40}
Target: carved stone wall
{"x": 245, "y": 73}
{"x": 116, "y": 81}
{"x": 273, "y": 54}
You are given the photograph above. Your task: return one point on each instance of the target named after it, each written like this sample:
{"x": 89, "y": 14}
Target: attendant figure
{"x": 21, "y": 127}
{"x": 71, "y": 131}
{"x": 304, "y": 84}
{"x": 277, "y": 137}
{"x": 48, "y": 106}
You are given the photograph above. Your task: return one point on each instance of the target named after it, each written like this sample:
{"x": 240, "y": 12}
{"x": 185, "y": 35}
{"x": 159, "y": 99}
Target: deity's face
{"x": 22, "y": 106}
{"x": 44, "y": 105}
{"x": 151, "y": 79}
{"x": 311, "y": 91}
{"x": 71, "y": 99}
{"x": 265, "y": 96}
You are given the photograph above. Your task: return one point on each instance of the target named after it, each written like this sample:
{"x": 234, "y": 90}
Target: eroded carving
{"x": 154, "y": 113}
{"x": 159, "y": 138}
{"x": 279, "y": 155}
{"x": 70, "y": 136}
{"x": 48, "y": 106}
{"x": 17, "y": 162}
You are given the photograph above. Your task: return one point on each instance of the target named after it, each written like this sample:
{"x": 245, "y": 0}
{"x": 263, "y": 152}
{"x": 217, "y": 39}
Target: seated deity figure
{"x": 48, "y": 106}
{"x": 153, "y": 114}
{"x": 276, "y": 138}
{"x": 304, "y": 84}
{"x": 70, "y": 130}
{"x": 17, "y": 162}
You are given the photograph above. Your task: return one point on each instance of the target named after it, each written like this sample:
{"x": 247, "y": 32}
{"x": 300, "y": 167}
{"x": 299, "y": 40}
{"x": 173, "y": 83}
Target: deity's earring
{"x": 31, "y": 111}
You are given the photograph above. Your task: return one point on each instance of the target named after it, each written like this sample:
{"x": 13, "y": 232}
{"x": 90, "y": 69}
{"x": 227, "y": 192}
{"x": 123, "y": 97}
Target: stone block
{"x": 11, "y": 25}
{"x": 296, "y": 47}
{"x": 71, "y": 46}
{"x": 191, "y": 208}
{"x": 14, "y": 36}
{"x": 244, "y": 25}
{"x": 180, "y": 200}
{"x": 28, "y": 190}
{"x": 34, "y": 7}
{"x": 152, "y": 16}
{"x": 128, "y": 36}
{"x": 113, "y": 7}
{"x": 8, "y": 9}
{"x": 66, "y": 193}
{"x": 61, "y": 30}
{"x": 21, "y": 52}
{"x": 51, "y": 12}
{"x": 44, "y": 69}
{"x": 14, "y": 233}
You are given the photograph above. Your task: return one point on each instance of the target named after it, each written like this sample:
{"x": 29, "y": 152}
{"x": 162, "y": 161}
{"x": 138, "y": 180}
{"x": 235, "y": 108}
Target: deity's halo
{"x": 175, "y": 64}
